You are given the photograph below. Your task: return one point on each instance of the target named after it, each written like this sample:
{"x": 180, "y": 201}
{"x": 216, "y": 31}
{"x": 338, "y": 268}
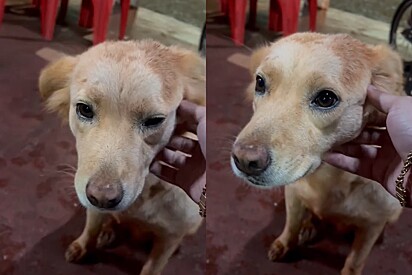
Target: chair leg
{"x": 290, "y": 16}
{"x": 252, "y": 14}
{"x": 313, "y": 10}
{"x": 224, "y": 6}
{"x": 123, "y": 18}
{"x": 237, "y": 11}
{"x": 275, "y": 16}
{"x": 62, "y": 11}
{"x": 36, "y": 3}
{"x": 101, "y": 15}
{"x": 48, "y": 11}
{"x": 86, "y": 14}
{"x": 2, "y": 6}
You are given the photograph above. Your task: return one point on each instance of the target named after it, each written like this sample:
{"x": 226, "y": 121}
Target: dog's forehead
{"x": 110, "y": 80}
{"x": 338, "y": 59}
{"x": 126, "y": 71}
{"x": 292, "y": 57}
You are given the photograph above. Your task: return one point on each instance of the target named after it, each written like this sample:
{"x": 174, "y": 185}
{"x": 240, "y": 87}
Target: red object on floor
{"x": 125, "y": 6}
{"x": 283, "y": 16}
{"x": 86, "y": 14}
{"x": 2, "y": 4}
{"x": 224, "y": 6}
{"x": 313, "y": 10}
{"x": 237, "y": 17}
{"x": 101, "y": 15}
{"x": 94, "y": 13}
{"x": 36, "y": 3}
{"x": 100, "y": 22}
{"x": 48, "y": 14}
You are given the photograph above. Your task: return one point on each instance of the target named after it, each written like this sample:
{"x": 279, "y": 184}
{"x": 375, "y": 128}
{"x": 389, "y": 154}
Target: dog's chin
{"x": 256, "y": 181}
{"x": 271, "y": 178}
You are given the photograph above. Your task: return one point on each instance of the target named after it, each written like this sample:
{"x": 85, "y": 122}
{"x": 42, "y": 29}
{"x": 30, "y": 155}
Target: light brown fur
{"x": 126, "y": 82}
{"x": 297, "y": 135}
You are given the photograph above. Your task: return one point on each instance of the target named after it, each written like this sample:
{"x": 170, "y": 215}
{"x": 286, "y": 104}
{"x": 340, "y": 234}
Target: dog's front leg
{"x": 78, "y": 248}
{"x": 365, "y": 238}
{"x": 162, "y": 250}
{"x": 295, "y": 212}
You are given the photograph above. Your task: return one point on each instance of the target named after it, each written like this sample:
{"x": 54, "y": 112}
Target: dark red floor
{"x": 242, "y": 221}
{"x": 39, "y": 213}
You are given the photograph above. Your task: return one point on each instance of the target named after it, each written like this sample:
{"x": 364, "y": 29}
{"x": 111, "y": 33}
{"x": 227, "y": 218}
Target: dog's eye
{"x": 260, "y": 87}
{"x": 153, "y": 121}
{"x": 84, "y": 111}
{"x": 325, "y": 99}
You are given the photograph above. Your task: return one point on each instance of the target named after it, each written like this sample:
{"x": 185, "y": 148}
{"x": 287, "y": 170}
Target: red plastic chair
{"x": 48, "y": 13}
{"x": 283, "y": 16}
{"x": 94, "y": 13}
{"x": 100, "y": 22}
{"x": 224, "y": 6}
{"x": 2, "y": 4}
{"x": 237, "y": 17}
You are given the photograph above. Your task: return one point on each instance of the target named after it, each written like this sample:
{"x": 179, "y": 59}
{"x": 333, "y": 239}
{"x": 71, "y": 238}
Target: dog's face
{"x": 121, "y": 100}
{"x": 308, "y": 96}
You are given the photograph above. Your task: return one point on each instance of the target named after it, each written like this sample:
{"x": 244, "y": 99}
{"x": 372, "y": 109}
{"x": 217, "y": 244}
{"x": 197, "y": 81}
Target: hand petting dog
{"x": 185, "y": 157}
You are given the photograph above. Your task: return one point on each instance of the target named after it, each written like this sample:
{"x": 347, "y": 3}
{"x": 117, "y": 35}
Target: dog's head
{"x": 308, "y": 96}
{"x": 120, "y": 99}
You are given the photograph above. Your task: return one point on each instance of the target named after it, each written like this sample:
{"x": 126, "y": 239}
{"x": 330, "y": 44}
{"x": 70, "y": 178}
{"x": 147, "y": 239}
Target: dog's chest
{"x": 322, "y": 204}
{"x": 323, "y": 193}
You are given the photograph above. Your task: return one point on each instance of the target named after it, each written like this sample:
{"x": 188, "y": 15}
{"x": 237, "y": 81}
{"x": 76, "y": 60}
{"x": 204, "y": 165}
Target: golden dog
{"x": 309, "y": 96}
{"x": 120, "y": 99}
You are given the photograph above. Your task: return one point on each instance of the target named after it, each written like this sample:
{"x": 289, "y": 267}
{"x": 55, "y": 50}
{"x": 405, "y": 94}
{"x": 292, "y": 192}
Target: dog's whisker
{"x": 67, "y": 166}
{"x": 231, "y": 138}
{"x": 67, "y": 173}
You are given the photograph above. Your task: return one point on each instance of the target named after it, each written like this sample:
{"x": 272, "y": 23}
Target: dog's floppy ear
{"x": 257, "y": 57}
{"x": 387, "y": 70}
{"x": 193, "y": 68}
{"x": 54, "y": 84}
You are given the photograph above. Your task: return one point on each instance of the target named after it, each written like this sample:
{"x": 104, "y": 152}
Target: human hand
{"x": 186, "y": 156}
{"x": 380, "y": 164}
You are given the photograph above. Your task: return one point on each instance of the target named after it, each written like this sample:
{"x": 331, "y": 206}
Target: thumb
{"x": 381, "y": 100}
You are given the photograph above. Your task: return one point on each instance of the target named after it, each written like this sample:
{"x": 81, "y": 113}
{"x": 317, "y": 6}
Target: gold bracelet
{"x": 401, "y": 192}
{"x": 202, "y": 203}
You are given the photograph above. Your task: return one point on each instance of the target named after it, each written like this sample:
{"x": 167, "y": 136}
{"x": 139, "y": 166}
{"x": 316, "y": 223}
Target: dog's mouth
{"x": 271, "y": 177}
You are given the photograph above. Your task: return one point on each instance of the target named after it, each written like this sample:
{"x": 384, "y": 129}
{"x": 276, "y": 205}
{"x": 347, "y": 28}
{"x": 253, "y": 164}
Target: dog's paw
{"x": 277, "y": 251}
{"x": 308, "y": 233}
{"x": 75, "y": 252}
{"x": 106, "y": 237}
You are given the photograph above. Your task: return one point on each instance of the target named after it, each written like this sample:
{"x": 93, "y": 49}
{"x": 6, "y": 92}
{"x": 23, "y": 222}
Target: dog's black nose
{"x": 251, "y": 159}
{"x": 105, "y": 196}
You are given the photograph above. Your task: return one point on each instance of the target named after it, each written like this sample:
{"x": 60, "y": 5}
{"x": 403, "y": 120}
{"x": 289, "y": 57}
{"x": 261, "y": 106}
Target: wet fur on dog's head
{"x": 130, "y": 88}
{"x": 288, "y": 122}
